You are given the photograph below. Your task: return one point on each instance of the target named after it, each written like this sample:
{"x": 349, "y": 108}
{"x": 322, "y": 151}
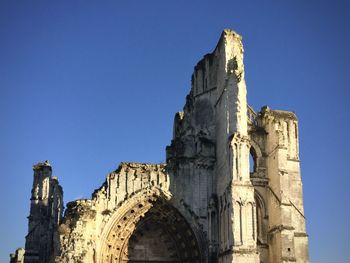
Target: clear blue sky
{"x": 88, "y": 84}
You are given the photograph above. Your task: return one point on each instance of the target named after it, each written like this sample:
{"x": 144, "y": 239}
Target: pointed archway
{"x": 150, "y": 231}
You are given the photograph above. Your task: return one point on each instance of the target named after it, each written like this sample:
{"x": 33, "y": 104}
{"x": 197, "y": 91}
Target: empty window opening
{"x": 252, "y": 161}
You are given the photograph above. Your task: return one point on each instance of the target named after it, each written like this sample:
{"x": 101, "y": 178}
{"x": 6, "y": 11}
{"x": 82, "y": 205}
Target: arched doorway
{"x": 151, "y": 231}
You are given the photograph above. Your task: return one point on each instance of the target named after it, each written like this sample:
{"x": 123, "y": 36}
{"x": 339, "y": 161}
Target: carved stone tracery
{"x": 123, "y": 243}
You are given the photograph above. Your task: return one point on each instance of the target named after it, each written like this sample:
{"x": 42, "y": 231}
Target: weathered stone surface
{"x": 208, "y": 203}
{"x": 18, "y": 256}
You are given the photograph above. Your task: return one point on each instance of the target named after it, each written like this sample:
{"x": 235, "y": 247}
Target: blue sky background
{"x": 88, "y": 84}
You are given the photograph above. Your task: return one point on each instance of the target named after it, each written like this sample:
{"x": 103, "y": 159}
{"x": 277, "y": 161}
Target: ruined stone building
{"x": 230, "y": 190}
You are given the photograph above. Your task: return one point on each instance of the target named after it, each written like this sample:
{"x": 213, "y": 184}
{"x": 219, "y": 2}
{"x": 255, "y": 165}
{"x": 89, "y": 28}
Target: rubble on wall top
{"x": 224, "y": 36}
{"x": 281, "y": 114}
{"x": 140, "y": 165}
{"x": 41, "y": 165}
{"x": 228, "y": 31}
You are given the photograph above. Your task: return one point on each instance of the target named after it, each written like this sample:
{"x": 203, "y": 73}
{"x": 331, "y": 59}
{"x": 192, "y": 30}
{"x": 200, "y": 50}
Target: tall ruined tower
{"x": 248, "y": 215}
{"x": 211, "y": 147}
{"x": 229, "y": 192}
{"x": 45, "y": 215}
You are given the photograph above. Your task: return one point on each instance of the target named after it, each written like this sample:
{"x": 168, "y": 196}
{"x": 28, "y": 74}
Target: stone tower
{"x": 248, "y": 215}
{"x": 210, "y": 148}
{"x": 229, "y": 192}
{"x": 46, "y": 208}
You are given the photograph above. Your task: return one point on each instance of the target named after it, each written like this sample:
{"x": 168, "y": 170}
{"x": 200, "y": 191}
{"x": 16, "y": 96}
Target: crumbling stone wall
{"x": 101, "y": 229}
{"x": 230, "y": 190}
{"x": 46, "y": 208}
{"x": 278, "y": 187}
{"x": 18, "y": 256}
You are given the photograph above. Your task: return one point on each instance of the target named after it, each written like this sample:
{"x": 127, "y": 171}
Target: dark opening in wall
{"x": 252, "y": 161}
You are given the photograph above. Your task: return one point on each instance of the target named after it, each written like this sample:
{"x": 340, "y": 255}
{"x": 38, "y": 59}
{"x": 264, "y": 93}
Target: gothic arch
{"x": 148, "y": 228}
{"x": 259, "y": 199}
{"x": 256, "y": 148}
{"x": 254, "y": 158}
{"x": 251, "y": 215}
{"x": 261, "y": 215}
{"x": 256, "y": 155}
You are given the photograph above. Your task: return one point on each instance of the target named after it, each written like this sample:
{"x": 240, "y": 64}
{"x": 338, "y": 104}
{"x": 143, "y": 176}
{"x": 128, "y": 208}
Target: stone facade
{"x": 230, "y": 190}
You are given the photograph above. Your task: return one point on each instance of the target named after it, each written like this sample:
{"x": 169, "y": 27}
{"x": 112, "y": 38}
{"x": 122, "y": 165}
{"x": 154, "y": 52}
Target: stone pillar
{"x": 45, "y": 214}
{"x": 287, "y": 231}
{"x": 236, "y": 193}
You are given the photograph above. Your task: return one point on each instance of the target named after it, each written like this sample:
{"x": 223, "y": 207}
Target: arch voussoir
{"x": 133, "y": 232}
